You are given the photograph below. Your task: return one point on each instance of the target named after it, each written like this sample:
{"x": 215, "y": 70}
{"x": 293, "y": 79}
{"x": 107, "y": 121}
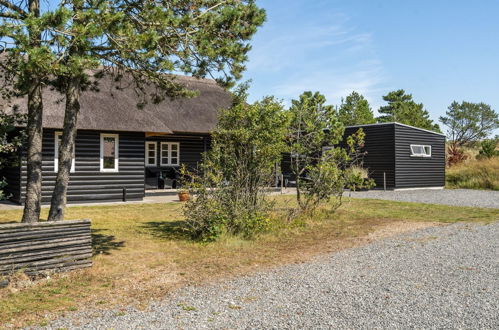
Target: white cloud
{"x": 332, "y": 58}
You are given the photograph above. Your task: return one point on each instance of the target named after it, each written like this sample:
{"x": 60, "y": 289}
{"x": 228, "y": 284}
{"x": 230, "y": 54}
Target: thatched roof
{"x": 114, "y": 109}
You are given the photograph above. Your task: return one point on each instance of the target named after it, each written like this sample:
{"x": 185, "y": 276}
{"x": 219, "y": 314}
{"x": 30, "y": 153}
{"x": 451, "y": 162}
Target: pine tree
{"x": 355, "y": 110}
{"x": 402, "y": 108}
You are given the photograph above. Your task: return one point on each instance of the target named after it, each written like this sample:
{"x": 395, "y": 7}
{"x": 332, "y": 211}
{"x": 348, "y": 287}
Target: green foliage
{"x": 358, "y": 178}
{"x": 402, "y": 108}
{"x": 3, "y": 184}
{"x": 230, "y": 191}
{"x": 199, "y": 38}
{"x": 321, "y": 175}
{"x": 488, "y": 149}
{"x": 313, "y": 125}
{"x": 10, "y": 141}
{"x": 355, "y": 110}
{"x": 469, "y": 122}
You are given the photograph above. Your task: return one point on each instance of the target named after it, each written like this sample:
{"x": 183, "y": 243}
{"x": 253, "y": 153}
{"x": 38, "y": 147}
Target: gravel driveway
{"x": 457, "y": 197}
{"x": 438, "y": 277}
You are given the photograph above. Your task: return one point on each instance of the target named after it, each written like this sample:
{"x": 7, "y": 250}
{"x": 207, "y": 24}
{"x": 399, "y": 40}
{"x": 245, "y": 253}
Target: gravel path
{"x": 438, "y": 277}
{"x": 458, "y": 197}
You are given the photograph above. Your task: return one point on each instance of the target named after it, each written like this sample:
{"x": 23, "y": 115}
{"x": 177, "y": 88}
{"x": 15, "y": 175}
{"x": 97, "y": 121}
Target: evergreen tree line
{"x": 400, "y": 107}
{"x": 467, "y": 123}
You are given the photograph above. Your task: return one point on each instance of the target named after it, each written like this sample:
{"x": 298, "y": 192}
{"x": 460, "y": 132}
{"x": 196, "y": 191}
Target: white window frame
{"x": 56, "y": 154}
{"x": 169, "y": 154}
{"x": 148, "y": 143}
{"x": 424, "y": 147}
{"x": 116, "y": 152}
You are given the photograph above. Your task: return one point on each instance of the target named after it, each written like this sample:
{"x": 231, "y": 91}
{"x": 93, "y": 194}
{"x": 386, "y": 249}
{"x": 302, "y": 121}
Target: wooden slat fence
{"x": 45, "y": 247}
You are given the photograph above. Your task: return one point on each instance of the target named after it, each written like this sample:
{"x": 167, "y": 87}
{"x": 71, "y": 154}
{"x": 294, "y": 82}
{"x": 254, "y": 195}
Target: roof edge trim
{"x": 396, "y": 123}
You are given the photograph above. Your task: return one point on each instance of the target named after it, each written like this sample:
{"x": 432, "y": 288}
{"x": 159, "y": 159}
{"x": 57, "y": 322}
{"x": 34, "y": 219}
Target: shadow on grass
{"x": 104, "y": 244}
{"x": 172, "y": 230}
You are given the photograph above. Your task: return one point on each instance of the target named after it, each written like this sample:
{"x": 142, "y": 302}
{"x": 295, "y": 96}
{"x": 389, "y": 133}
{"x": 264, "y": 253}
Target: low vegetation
{"x": 9, "y": 143}
{"x": 143, "y": 251}
{"x": 482, "y": 173}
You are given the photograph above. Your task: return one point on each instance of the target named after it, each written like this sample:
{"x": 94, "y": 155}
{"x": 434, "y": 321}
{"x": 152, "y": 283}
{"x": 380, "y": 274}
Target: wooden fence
{"x": 45, "y": 247}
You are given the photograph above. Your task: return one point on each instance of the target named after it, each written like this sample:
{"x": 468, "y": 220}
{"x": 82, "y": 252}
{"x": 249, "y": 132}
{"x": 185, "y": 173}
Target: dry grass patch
{"x": 474, "y": 174}
{"x": 142, "y": 251}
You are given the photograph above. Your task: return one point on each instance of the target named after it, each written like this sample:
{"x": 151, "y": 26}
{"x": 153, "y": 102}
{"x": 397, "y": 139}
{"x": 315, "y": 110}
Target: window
{"x": 109, "y": 157}
{"x": 169, "y": 153}
{"x": 151, "y": 159}
{"x": 419, "y": 150}
{"x": 57, "y": 143}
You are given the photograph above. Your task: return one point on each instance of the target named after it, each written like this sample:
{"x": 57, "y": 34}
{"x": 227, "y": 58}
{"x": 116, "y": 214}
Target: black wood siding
{"x": 413, "y": 172}
{"x": 88, "y": 184}
{"x": 380, "y": 157}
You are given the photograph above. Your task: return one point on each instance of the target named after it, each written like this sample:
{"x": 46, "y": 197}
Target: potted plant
{"x": 183, "y": 195}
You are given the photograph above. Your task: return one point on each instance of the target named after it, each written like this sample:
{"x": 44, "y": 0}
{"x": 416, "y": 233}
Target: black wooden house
{"x": 399, "y": 156}
{"x": 121, "y": 150}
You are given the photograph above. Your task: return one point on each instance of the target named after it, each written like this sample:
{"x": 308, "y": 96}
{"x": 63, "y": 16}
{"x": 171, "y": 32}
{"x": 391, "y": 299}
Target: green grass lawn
{"x": 142, "y": 251}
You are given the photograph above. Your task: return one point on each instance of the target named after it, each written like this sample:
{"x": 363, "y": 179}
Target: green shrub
{"x": 488, "y": 149}
{"x": 229, "y": 193}
{"x": 319, "y": 163}
{"x": 10, "y": 141}
{"x": 3, "y": 184}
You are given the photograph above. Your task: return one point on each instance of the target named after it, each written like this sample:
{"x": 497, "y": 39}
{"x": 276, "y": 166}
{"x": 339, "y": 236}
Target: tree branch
{"x": 13, "y": 7}
{"x": 10, "y": 15}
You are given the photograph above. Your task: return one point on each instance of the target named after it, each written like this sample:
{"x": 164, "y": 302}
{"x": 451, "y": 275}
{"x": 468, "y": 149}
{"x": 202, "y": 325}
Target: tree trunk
{"x": 66, "y": 149}
{"x": 34, "y": 154}
{"x": 34, "y": 128}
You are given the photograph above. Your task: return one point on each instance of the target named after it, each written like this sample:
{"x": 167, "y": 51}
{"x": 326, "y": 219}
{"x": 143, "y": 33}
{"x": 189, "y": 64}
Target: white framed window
{"x": 151, "y": 154}
{"x": 109, "y": 152}
{"x": 169, "y": 154}
{"x": 420, "y": 150}
{"x": 57, "y": 143}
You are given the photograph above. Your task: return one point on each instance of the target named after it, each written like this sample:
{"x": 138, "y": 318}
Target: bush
{"x": 3, "y": 184}
{"x": 231, "y": 187}
{"x": 322, "y": 174}
{"x": 455, "y": 155}
{"x": 10, "y": 141}
{"x": 488, "y": 149}
{"x": 214, "y": 212}
{"x": 358, "y": 178}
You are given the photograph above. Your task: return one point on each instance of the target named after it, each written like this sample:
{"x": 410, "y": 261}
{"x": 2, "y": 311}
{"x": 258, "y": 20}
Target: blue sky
{"x": 438, "y": 50}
